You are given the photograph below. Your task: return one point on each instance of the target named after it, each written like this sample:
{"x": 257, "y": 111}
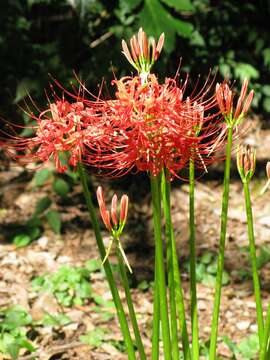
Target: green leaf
{"x": 24, "y": 87}
{"x": 93, "y": 265}
{"x": 41, "y": 176}
{"x": 15, "y": 317}
{"x": 22, "y": 240}
{"x": 54, "y": 220}
{"x": 34, "y": 232}
{"x": 94, "y": 338}
{"x": 155, "y": 19}
{"x": 55, "y": 320}
{"x": 266, "y": 57}
{"x": 264, "y": 256}
{"x": 206, "y": 258}
{"x": 249, "y": 347}
{"x": 266, "y": 104}
{"x": 182, "y": 5}
{"x": 243, "y": 70}
{"x": 61, "y": 187}
{"x": 42, "y": 205}
{"x": 266, "y": 90}
{"x": 129, "y": 5}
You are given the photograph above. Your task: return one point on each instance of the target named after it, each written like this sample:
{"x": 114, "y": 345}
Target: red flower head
{"x": 152, "y": 127}
{"x": 63, "y": 128}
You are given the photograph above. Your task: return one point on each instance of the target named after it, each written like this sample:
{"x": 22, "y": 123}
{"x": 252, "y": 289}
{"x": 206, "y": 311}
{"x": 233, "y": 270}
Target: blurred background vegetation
{"x": 38, "y": 37}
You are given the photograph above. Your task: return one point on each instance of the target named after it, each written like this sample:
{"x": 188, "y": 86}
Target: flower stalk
{"x": 246, "y": 160}
{"x": 115, "y": 227}
{"x": 192, "y": 250}
{"x": 160, "y": 270}
{"x": 107, "y": 266}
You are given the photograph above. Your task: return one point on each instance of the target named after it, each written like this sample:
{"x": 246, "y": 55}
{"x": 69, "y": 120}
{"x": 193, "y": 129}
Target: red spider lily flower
{"x": 225, "y": 101}
{"x": 63, "y": 128}
{"x": 152, "y": 127}
{"x": 144, "y": 52}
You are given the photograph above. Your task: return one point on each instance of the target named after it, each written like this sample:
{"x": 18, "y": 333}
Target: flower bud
{"x": 143, "y": 51}
{"x": 123, "y": 209}
{"x": 268, "y": 169}
{"x": 246, "y": 162}
{"x": 114, "y": 210}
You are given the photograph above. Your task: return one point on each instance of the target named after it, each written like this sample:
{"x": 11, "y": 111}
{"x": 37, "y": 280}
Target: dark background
{"x": 38, "y": 37}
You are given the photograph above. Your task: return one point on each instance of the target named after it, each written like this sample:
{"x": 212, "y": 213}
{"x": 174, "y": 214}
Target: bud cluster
{"x": 224, "y": 97}
{"x": 246, "y": 162}
{"x": 144, "y": 52}
{"x": 110, "y": 219}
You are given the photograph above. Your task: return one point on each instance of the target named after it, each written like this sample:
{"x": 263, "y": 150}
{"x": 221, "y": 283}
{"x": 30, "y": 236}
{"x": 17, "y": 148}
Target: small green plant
{"x": 13, "y": 331}
{"x": 206, "y": 270}
{"x": 69, "y": 284}
{"x": 97, "y": 337}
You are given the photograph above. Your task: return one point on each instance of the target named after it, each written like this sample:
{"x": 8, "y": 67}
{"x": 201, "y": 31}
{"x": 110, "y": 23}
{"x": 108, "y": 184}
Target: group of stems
{"x": 111, "y": 281}
{"x": 171, "y": 314}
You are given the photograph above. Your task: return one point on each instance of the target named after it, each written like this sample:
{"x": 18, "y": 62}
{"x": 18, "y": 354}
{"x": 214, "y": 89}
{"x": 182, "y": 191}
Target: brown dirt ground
{"x": 76, "y": 244}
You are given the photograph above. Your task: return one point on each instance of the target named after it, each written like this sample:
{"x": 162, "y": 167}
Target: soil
{"x": 76, "y": 244}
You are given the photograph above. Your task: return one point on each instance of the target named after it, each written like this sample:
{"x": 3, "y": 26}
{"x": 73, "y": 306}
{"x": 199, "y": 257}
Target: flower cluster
{"x": 63, "y": 128}
{"x": 148, "y": 126}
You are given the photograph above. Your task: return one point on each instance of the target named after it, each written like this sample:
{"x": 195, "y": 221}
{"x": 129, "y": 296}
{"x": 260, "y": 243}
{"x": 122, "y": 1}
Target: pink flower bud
{"x": 105, "y": 215}
{"x": 248, "y": 102}
{"x": 123, "y": 208}
{"x": 114, "y": 210}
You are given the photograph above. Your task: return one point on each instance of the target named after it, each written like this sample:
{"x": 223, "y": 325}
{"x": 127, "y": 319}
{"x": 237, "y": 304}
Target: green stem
{"x": 222, "y": 241}
{"x": 263, "y": 351}
{"x": 131, "y": 310}
{"x": 252, "y": 250}
{"x": 165, "y": 191}
{"x": 175, "y": 266}
{"x": 156, "y": 318}
{"x": 155, "y": 189}
{"x": 107, "y": 267}
{"x": 192, "y": 250}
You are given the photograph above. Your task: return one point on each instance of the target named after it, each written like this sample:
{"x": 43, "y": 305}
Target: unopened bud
{"x": 246, "y": 162}
{"x": 105, "y": 215}
{"x": 123, "y": 209}
{"x": 114, "y": 210}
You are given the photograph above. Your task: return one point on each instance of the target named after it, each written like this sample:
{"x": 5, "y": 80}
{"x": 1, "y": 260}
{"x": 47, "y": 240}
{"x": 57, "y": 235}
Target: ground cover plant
{"x": 157, "y": 128}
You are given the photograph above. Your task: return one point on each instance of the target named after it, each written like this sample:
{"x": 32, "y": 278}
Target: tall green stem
{"x": 222, "y": 241}
{"x": 165, "y": 191}
{"x": 156, "y": 318}
{"x": 131, "y": 310}
{"x": 252, "y": 250}
{"x": 175, "y": 282}
{"x": 107, "y": 267}
{"x": 192, "y": 251}
{"x": 155, "y": 189}
{"x": 265, "y": 342}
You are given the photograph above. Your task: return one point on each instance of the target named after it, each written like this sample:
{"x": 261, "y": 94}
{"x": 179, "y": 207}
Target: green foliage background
{"x": 38, "y": 37}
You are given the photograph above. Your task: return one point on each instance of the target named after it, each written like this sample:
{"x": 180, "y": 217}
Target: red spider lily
{"x": 152, "y": 127}
{"x": 144, "y": 52}
{"x": 63, "y": 128}
{"x": 225, "y": 101}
